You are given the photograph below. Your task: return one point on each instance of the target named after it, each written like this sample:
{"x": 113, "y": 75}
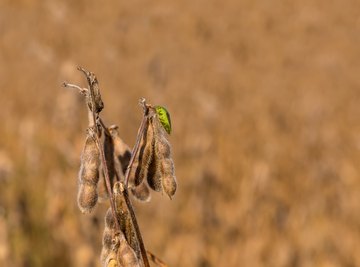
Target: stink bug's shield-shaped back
{"x": 164, "y": 118}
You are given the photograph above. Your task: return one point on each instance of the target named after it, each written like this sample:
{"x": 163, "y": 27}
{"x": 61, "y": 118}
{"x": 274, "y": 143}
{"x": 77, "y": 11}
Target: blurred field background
{"x": 264, "y": 98}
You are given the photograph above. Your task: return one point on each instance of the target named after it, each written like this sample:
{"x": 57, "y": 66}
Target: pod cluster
{"x": 120, "y": 247}
{"x": 152, "y": 168}
{"x": 153, "y": 165}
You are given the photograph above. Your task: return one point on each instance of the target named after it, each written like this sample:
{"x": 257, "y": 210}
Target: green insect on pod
{"x": 164, "y": 118}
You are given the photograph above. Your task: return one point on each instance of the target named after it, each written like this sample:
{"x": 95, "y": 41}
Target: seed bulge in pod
{"x": 153, "y": 175}
{"x": 87, "y": 197}
{"x": 126, "y": 255}
{"x": 102, "y": 190}
{"x": 141, "y": 192}
{"x": 108, "y": 235}
{"x": 90, "y": 161}
{"x": 170, "y": 185}
{"x": 162, "y": 146}
{"x": 168, "y": 177}
{"x": 110, "y": 220}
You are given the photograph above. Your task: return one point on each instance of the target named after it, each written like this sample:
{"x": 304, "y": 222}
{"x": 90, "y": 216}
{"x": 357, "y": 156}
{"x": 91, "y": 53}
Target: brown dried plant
{"x": 106, "y": 155}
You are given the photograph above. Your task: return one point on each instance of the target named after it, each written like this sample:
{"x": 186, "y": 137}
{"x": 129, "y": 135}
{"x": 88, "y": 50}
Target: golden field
{"x": 264, "y": 100}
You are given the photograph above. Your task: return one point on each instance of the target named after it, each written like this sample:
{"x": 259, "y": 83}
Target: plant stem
{"x": 136, "y": 227}
{"x": 107, "y": 182}
{"x": 125, "y": 192}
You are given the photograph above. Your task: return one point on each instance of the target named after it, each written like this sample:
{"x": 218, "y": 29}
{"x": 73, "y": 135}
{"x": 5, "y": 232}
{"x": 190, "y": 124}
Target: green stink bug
{"x": 164, "y": 118}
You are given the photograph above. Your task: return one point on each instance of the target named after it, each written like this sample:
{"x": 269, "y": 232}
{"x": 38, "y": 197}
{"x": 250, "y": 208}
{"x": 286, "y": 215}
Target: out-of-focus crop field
{"x": 265, "y": 103}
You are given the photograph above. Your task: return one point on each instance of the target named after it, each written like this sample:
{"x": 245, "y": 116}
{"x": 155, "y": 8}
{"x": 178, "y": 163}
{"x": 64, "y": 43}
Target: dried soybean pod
{"x": 134, "y": 176}
{"x": 94, "y": 91}
{"x": 153, "y": 175}
{"x": 135, "y": 169}
{"x": 162, "y": 145}
{"x": 165, "y": 171}
{"x": 145, "y": 154}
{"x": 141, "y": 192}
{"x": 108, "y": 236}
{"x": 122, "y": 150}
{"x": 102, "y": 190}
{"x": 126, "y": 256}
{"x": 168, "y": 178}
{"x": 110, "y": 220}
{"x": 124, "y": 218}
{"x": 89, "y": 174}
{"x": 99, "y": 104}
{"x": 87, "y": 197}
{"x": 107, "y": 245}
{"x": 90, "y": 161}
{"x": 113, "y": 165}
